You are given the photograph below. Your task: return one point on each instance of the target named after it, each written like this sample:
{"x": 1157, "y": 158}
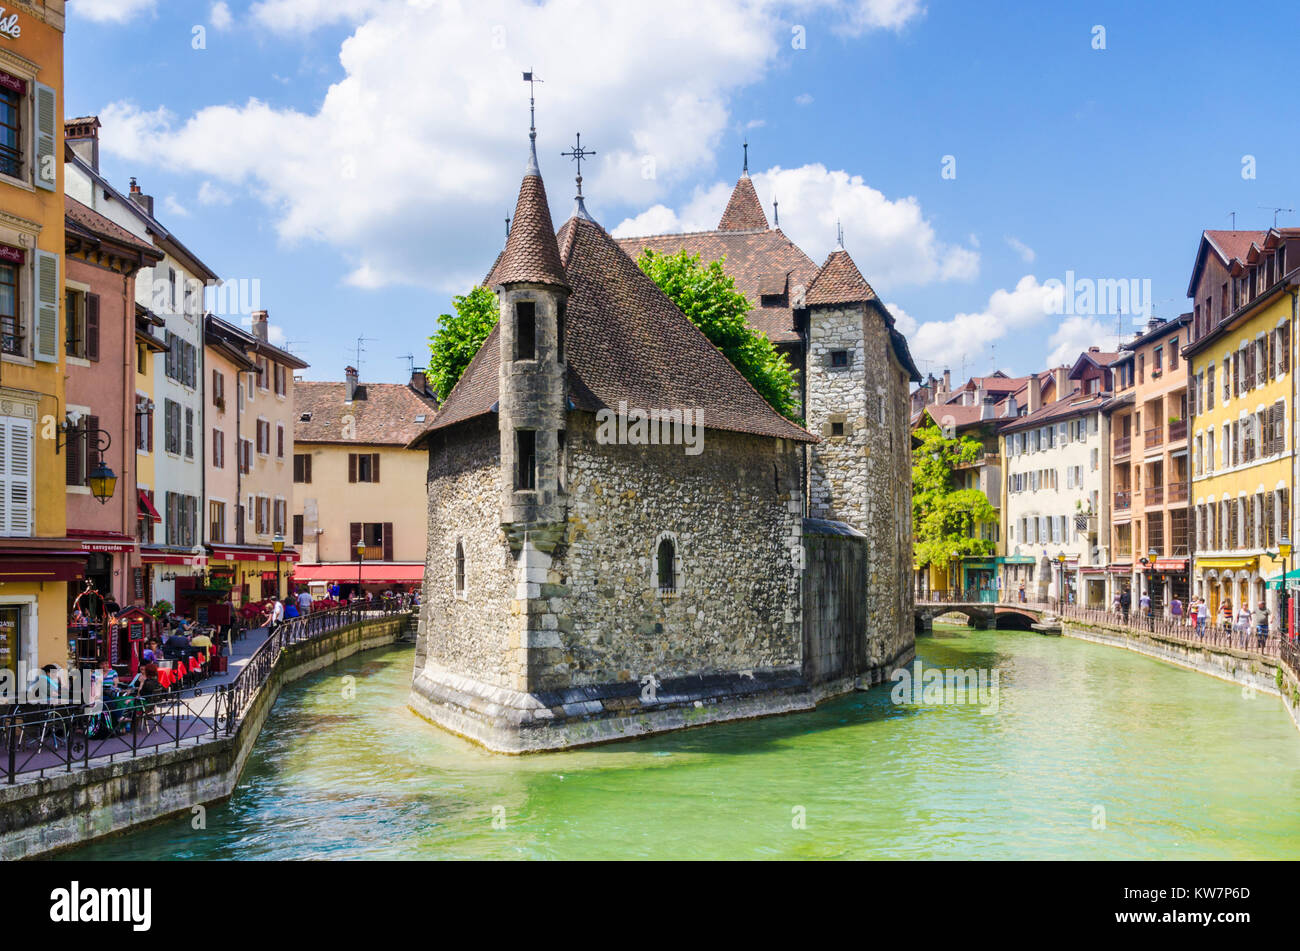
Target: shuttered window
{"x": 15, "y": 476}
{"x": 302, "y": 467}
{"x": 363, "y": 467}
{"x": 45, "y": 131}
{"x": 46, "y": 336}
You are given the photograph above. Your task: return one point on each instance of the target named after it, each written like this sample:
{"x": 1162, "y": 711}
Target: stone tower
{"x": 532, "y": 294}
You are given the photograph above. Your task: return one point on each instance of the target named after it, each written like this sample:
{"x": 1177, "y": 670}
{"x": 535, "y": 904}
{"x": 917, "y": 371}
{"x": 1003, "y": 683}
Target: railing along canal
{"x": 39, "y": 738}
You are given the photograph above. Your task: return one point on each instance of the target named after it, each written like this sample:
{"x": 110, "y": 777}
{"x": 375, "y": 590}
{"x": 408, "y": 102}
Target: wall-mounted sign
{"x": 9, "y": 25}
{"x": 12, "y": 255}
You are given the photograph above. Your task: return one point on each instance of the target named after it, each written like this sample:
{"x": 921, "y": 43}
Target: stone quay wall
{"x": 61, "y": 810}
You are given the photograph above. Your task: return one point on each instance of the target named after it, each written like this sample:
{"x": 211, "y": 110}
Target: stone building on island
{"x": 616, "y": 528}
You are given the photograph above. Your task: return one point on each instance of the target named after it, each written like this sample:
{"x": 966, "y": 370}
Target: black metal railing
{"x": 49, "y": 737}
{"x": 1216, "y": 632}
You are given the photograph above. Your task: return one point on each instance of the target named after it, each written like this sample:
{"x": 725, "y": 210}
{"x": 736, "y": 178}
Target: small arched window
{"x": 460, "y": 567}
{"x": 667, "y": 556}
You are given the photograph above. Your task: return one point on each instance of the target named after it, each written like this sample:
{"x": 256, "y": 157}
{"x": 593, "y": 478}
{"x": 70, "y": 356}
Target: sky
{"x": 359, "y": 160}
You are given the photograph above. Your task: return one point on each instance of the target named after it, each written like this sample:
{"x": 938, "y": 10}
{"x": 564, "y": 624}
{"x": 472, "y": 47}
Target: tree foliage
{"x": 459, "y": 337}
{"x": 707, "y": 296}
{"x": 945, "y": 518}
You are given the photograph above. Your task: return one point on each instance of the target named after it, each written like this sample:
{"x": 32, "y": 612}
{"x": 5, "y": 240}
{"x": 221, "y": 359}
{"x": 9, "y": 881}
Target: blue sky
{"x": 359, "y": 162}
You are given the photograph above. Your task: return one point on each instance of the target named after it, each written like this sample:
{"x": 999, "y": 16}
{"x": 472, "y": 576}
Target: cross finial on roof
{"x": 745, "y": 145}
{"x": 578, "y": 154}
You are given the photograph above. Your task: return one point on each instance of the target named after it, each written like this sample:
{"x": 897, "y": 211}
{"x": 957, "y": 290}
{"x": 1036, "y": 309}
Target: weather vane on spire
{"x": 578, "y": 154}
{"x": 839, "y": 235}
{"x": 531, "y": 78}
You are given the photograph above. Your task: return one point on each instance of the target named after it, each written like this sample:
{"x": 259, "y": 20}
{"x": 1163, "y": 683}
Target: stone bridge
{"x": 999, "y": 614}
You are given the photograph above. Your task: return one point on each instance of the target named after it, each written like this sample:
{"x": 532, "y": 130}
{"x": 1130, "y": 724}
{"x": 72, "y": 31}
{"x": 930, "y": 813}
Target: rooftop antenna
{"x": 1275, "y": 211}
{"x": 839, "y": 236}
{"x": 360, "y": 349}
{"x": 1233, "y": 216}
{"x": 410, "y": 362}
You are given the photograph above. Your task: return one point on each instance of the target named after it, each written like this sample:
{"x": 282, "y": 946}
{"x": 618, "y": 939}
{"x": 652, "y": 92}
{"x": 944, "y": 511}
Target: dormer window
{"x": 525, "y": 330}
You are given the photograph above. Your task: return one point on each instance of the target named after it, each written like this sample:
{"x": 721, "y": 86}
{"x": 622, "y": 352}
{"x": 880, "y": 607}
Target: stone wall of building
{"x": 468, "y": 631}
{"x": 861, "y": 472}
{"x": 734, "y": 513}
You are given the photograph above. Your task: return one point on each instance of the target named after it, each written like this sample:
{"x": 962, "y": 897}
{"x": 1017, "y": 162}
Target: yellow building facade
{"x": 37, "y": 561}
{"x": 1241, "y": 446}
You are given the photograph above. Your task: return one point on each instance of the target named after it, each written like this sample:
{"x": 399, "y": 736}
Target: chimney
{"x": 419, "y": 382}
{"x": 141, "y": 199}
{"x": 1035, "y": 388}
{"x": 1063, "y": 384}
{"x": 83, "y": 137}
{"x": 986, "y": 408}
{"x": 261, "y": 319}
{"x": 947, "y": 381}
{"x": 1009, "y": 409}
{"x": 350, "y": 374}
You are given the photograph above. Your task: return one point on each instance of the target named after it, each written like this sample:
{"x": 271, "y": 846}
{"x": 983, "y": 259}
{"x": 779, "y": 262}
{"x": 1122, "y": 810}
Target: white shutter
{"x": 46, "y": 172}
{"x": 15, "y": 477}
{"x": 46, "y": 309}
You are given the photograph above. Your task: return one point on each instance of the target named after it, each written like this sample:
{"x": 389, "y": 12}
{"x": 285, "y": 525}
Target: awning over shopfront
{"x": 1228, "y": 564}
{"x": 146, "y": 507}
{"x": 1292, "y": 581}
{"x": 1171, "y": 564}
{"x": 1120, "y": 569}
{"x": 42, "y": 566}
{"x": 104, "y": 541}
{"x": 179, "y": 558}
{"x": 1017, "y": 560}
{"x": 251, "y": 553}
{"x": 371, "y": 573}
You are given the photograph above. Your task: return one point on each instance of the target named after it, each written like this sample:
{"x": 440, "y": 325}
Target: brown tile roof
{"x": 87, "y": 220}
{"x": 744, "y": 211}
{"x": 1061, "y": 409}
{"x": 530, "y": 254}
{"x": 839, "y": 282}
{"x": 760, "y": 262}
{"x": 383, "y": 414}
{"x": 626, "y": 341}
{"x": 1234, "y": 244}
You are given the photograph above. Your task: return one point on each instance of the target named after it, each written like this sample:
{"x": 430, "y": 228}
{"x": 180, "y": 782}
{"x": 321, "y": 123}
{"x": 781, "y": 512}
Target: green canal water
{"x": 1183, "y": 766}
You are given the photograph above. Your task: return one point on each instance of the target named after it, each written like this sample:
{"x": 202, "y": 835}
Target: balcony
{"x": 1154, "y": 495}
{"x": 1176, "y": 492}
{"x": 1156, "y": 437}
{"x": 1178, "y": 430}
{"x": 1123, "y": 500}
{"x": 1123, "y": 445}
{"x": 373, "y": 552}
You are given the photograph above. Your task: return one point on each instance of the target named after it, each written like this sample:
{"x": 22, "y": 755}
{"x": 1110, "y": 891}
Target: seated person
{"x": 201, "y": 641}
{"x": 176, "y": 643}
{"x": 150, "y": 686}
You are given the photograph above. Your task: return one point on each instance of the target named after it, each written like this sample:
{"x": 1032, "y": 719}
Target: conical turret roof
{"x": 531, "y": 255}
{"x": 744, "y": 210}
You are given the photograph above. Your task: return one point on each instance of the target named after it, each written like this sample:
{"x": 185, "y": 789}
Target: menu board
{"x": 10, "y": 635}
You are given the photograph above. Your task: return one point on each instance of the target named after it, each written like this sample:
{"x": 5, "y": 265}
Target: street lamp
{"x": 361, "y": 556}
{"x": 277, "y": 546}
{"x": 1060, "y": 581}
{"x": 102, "y": 481}
{"x": 1284, "y": 603}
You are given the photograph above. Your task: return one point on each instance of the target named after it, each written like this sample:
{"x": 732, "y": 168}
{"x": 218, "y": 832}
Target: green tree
{"x": 459, "y": 338}
{"x": 945, "y": 518}
{"x": 707, "y": 296}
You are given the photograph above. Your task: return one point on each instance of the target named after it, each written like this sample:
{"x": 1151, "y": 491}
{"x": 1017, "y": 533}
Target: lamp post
{"x": 361, "y": 556}
{"x": 1060, "y": 581}
{"x": 277, "y": 546}
{"x": 1284, "y": 602}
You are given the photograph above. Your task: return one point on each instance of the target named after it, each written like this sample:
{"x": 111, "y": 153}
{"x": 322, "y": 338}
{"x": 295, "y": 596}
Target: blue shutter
{"x": 45, "y": 174}
{"x": 46, "y": 336}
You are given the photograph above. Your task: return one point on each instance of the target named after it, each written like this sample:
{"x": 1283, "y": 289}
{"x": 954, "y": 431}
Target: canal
{"x": 1092, "y": 752}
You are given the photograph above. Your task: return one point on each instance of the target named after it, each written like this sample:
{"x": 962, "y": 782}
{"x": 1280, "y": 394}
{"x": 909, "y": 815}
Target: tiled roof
{"x": 744, "y": 211}
{"x": 1061, "y": 409}
{"x": 384, "y": 414}
{"x": 530, "y": 254}
{"x": 88, "y": 220}
{"x": 626, "y": 341}
{"x": 1234, "y": 244}
{"x": 839, "y": 282}
{"x": 760, "y": 262}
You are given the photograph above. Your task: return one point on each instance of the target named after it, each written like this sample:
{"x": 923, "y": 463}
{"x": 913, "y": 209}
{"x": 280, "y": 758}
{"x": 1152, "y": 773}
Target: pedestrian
{"x": 1202, "y": 617}
{"x": 1260, "y": 618}
{"x": 1243, "y": 623}
{"x": 290, "y": 609}
{"x": 274, "y": 615}
{"x": 1176, "y": 609}
{"x": 1125, "y": 602}
{"x": 1226, "y": 611}
{"x": 1022, "y": 592}
{"x": 304, "y": 602}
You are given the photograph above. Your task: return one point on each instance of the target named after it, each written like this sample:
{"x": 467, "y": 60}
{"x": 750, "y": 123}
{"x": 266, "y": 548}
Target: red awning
{"x": 371, "y": 573}
{"x": 1171, "y": 564}
{"x": 42, "y": 566}
{"x": 147, "y": 507}
{"x": 251, "y": 553}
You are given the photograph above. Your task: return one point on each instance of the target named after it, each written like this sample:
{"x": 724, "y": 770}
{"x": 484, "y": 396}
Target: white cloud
{"x": 174, "y": 207}
{"x": 220, "y": 15}
{"x": 1025, "y": 251}
{"x": 882, "y": 14}
{"x": 891, "y": 241}
{"x": 945, "y": 342}
{"x": 111, "y": 11}
{"x": 903, "y": 321}
{"x": 1075, "y": 335}
{"x": 210, "y": 194}
{"x": 803, "y": 99}
{"x": 413, "y": 158}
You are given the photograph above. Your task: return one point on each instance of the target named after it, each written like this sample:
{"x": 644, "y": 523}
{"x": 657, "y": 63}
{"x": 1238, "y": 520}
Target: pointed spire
{"x": 744, "y": 210}
{"x": 838, "y": 281}
{"x": 532, "y": 168}
{"x": 531, "y": 255}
